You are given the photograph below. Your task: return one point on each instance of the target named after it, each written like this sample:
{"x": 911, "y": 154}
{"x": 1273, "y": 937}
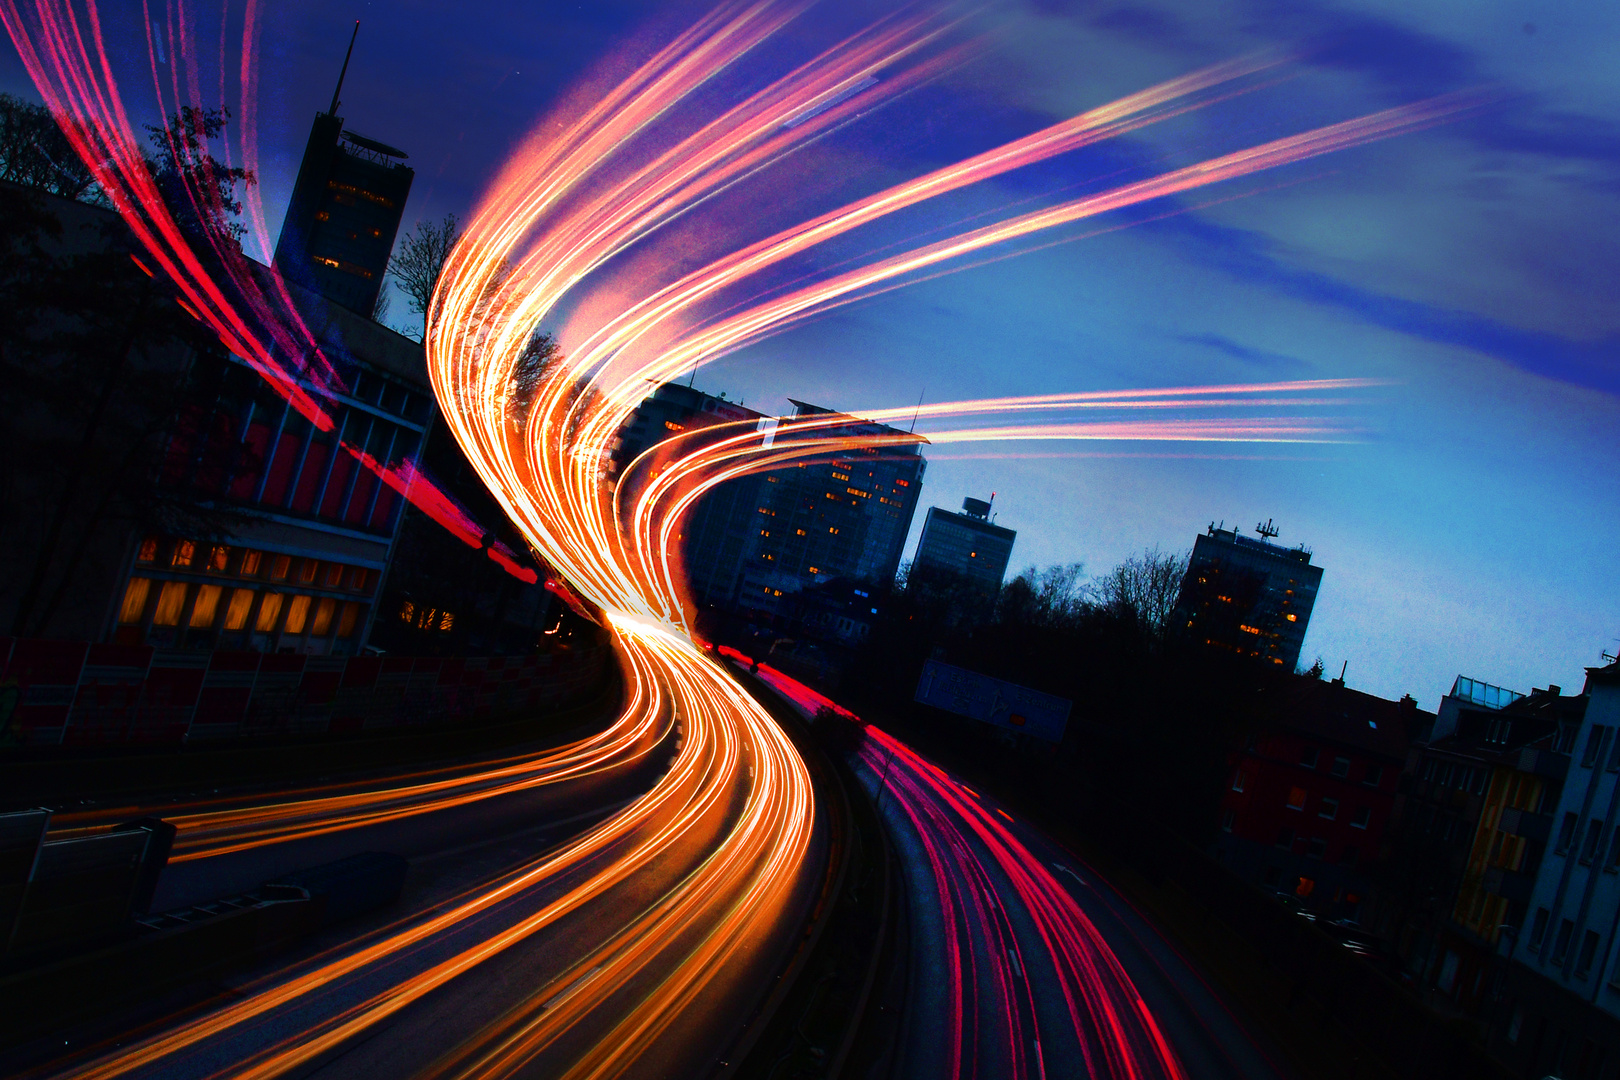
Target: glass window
{"x": 218, "y": 556}
{"x": 297, "y": 613}
{"x": 1583, "y": 963}
{"x": 1341, "y": 767}
{"x": 134, "y": 605}
{"x": 236, "y": 614}
{"x": 1296, "y": 798}
{"x": 1361, "y": 818}
{"x": 182, "y": 555}
{"x": 1594, "y": 743}
{"x": 171, "y": 601}
{"x": 1307, "y": 757}
{"x": 346, "y": 622}
{"x": 324, "y": 607}
{"x": 1329, "y": 810}
{"x": 269, "y": 612}
{"x": 148, "y": 550}
{"x": 1285, "y": 838}
{"x": 1538, "y": 928}
{"x": 1373, "y": 775}
{"x": 202, "y": 612}
{"x": 250, "y": 563}
{"x": 1566, "y": 832}
{"x": 279, "y": 566}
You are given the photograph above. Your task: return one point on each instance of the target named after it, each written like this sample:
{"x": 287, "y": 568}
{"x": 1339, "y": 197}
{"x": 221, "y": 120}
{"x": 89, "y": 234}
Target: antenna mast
{"x": 333, "y": 110}
{"x": 1267, "y": 531}
{"x": 918, "y": 412}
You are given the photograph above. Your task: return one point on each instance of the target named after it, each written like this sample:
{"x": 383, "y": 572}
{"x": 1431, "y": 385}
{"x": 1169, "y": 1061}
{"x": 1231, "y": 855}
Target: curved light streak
{"x": 737, "y": 802}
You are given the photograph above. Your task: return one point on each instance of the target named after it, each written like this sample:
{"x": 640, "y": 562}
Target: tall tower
{"x": 345, "y": 211}
{"x": 965, "y": 545}
{"x": 1251, "y": 597}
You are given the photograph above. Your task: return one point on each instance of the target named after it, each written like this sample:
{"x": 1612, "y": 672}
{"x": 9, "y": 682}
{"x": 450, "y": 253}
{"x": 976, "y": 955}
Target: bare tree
{"x": 35, "y": 153}
{"x": 1145, "y": 587}
{"x": 1054, "y": 597}
{"x": 421, "y": 259}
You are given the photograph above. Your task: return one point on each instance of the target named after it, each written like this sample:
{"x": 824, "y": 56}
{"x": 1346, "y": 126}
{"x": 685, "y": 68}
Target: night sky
{"x": 1473, "y": 265}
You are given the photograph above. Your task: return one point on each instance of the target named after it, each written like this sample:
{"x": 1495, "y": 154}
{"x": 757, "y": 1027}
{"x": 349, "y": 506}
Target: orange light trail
{"x": 729, "y": 825}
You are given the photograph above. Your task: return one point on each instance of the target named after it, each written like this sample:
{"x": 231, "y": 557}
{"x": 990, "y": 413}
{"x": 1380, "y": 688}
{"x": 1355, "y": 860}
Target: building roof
{"x": 1333, "y": 712}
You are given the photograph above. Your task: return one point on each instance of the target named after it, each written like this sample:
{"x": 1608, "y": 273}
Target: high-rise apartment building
{"x": 754, "y": 540}
{"x": 965, "y": 544}
{"x": 1249, "y": 596}
{"x": 344, "y": 214}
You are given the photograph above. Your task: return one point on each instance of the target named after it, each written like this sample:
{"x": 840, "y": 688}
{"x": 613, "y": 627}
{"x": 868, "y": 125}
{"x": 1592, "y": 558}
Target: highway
{"x": 641, "y": 943}
{"x": 1025, "y": 963}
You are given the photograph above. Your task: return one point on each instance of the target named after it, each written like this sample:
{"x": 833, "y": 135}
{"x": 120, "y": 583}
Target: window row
{"x": 1316, "y": 847}
{"x": 1591, "y": 841}
{"x": 202, "y": 615}
{"x": 1328, "y": 808}
{"x": 1449, "y": 774}
{"x": 238, "y": 438}
{"x": 227, "y": 561}
{"x": 1339, "y": 767}
{"x": 1590, "y": 941}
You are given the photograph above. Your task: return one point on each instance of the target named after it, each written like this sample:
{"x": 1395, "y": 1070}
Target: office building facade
{"x": 755, "y": 540}
{"x": 344, "y": 215}
{"x": 1248, "y": 596}
{"x": 966, "y": 545}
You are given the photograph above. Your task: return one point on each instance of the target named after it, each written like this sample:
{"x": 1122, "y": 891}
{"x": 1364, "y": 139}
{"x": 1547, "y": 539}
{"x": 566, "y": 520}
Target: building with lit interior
{"x": 1248, "y": 596}
{"x": 967, "y": 545}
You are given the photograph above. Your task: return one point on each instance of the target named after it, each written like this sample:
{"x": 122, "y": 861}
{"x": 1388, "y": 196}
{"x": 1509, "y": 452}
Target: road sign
{"x": 1004, "y": 704}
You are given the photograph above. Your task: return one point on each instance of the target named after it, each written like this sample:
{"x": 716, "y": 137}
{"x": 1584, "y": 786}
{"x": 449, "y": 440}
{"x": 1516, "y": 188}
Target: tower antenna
{"x": 918, "y": 412}
{"x": 333, "y": 110}
{"x": 1268, "y": 530}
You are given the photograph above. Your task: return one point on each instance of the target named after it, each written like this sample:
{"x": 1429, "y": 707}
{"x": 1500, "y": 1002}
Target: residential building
{"x": 966, "y": 545}
{"x": 1559, "y": 1000}
{"x": 1309, "y": 799}
{"x": 1248, "y": 596}
{"x": 1478, "y": 794}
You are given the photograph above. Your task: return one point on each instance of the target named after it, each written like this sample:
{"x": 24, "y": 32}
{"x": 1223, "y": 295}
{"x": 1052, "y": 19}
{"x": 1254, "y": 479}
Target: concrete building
{"x": 1559, "y": 1001}
{"x": 1481, "y": 786}
{"x": 967, "y": 545}
{"x": 344, "y": 214}
{"x": 1248, "y": 596}
{"x": 1310, "y": 798}
{"x": 755, "y": 540}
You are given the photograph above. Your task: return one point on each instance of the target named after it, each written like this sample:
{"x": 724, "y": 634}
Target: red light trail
{"x": 735, "y": 813}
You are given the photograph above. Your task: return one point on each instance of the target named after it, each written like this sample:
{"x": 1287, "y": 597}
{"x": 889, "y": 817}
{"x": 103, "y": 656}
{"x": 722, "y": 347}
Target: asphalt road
{"x": 1025, "y": 963}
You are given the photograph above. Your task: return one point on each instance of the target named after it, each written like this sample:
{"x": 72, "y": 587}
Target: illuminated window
{"x": 218, "y": 556}
{"x": 903, "y": 483}
{"x": 184, "y": 552}
{"x": 333, "y": 575}
{"x": 859, "y": 492}
{"x": 170, "y": 603}
{"x": 447, "y": 621}
{"x": 833, "y": 529}
{"x": 351, "y": 612}
{"x": 813, "y": 570}
{"x": 203, "y": 611}
{"x": 840, "y": 476}
{"x": 1248, "y": 629}
{"x": 322, "y": 215}
{"x": 236, "y": 614}
{"x": 1292, "y": 617}
{"x": 134, "y": 605}
{"x": 1296, "y": 798}
{"x": 830, "y": 495}
{"x": 279, "y": 565}
{"x": 764, "y": 532}
{"x": 798, "y": 532}
{"x": 148, "y": 550}
{"x": 407, "y": 612}
{"x": 297, "y": 613}
{"x": 269, "y": 610}
{"x": 673, "y": 426}
{"x": 250, "y": 563}
{"x": 306, "y": 570}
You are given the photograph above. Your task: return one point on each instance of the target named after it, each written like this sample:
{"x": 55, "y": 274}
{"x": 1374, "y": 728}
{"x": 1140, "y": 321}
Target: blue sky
{"x": 1473, "y": 265}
